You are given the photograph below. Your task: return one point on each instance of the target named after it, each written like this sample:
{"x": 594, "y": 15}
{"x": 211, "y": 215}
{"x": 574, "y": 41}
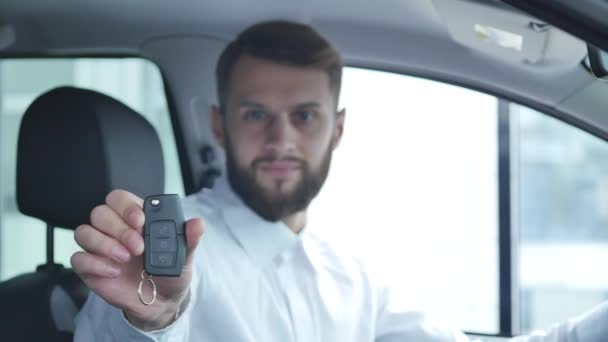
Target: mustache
{"x": 269, "y": 159}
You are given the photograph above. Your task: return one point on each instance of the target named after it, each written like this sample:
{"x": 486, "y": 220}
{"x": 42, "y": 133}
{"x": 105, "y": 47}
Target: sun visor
{"x": 507, "y": 34}
{"x": 7, "y": 35}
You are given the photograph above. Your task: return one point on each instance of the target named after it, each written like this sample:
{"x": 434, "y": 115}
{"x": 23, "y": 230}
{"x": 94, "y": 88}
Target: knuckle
{"x": 106, "y": 247}
{"x": 124, "y": 236}
{"x": 79, "y": 232}
{"x": 97, "y": 213}
{"x": 129, "y": 211}
{"x": 99, "y": 267}
{"x": 86, "y": 238}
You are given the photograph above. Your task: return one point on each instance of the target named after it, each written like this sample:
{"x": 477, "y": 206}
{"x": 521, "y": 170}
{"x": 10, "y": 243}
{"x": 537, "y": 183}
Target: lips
{"x": 279, "y": 167}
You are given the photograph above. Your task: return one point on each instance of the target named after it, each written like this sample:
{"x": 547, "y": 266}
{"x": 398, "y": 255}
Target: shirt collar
{"x": 262, "y": 240}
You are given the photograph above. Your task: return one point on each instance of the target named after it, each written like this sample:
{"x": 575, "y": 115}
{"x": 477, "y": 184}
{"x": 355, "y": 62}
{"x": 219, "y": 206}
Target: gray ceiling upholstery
{"x": 413, "y": 36}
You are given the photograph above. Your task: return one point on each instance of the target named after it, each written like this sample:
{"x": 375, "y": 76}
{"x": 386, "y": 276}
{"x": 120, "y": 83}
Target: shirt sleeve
{"x": 589, "y": 327}
{"x": 99, "y": 321}
{"x": 397, "y": 323}
{"x": 394, "y": 324}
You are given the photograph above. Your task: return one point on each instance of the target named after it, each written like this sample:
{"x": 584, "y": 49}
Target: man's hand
{"x": 112, "y": 261}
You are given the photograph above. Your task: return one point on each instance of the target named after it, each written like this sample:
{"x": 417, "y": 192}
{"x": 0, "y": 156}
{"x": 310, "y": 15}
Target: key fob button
{"x": 164, "y": 244}
{"x": 162, "y": 229}
{"x": 163, "y": 259}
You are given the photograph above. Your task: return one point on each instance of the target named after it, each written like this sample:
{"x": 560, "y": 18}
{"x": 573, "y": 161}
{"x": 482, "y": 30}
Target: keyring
{"x": 146, "y": 277}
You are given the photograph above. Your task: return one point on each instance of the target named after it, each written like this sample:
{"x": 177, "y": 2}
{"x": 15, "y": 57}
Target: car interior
{"x": 75, "y": 142}
{"x": 49, "y": 297}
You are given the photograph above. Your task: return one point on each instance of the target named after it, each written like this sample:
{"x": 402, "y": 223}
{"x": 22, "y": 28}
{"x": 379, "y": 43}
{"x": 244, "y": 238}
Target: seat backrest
{"x": 75, "y": 146}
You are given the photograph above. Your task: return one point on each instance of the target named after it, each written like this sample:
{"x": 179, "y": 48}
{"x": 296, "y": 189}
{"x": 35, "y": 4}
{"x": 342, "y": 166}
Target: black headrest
{"x": 75, "y": 146}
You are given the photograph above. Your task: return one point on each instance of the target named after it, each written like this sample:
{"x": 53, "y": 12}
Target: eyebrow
{"x": 249, "y": 103}
{"x": 252, "y": 104}
{"x": 308, "y": 105}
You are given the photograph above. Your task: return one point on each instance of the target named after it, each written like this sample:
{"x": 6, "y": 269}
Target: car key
{"x": 164, "y": 239}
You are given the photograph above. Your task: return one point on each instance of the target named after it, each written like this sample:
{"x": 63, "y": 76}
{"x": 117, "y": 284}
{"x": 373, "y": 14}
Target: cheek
{"x": 316, "y": 148}
{"x": 245, "y": 147}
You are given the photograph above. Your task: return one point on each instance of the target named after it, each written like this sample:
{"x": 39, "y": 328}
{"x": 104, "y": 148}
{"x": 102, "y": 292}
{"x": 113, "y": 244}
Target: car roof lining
{"x": 398, "y": 35}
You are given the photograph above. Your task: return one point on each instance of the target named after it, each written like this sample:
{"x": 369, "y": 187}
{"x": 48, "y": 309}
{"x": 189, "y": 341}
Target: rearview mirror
{"x": 598, "y": 62}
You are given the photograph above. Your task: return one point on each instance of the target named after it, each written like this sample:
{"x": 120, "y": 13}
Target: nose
{"x": 281, "y": 135}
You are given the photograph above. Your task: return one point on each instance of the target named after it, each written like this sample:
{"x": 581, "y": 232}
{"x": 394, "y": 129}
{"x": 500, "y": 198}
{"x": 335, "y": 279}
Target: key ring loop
{"x": 146, "y": 277}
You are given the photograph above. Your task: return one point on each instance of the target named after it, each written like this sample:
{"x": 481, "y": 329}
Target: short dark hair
{"x": 282, "y": 42}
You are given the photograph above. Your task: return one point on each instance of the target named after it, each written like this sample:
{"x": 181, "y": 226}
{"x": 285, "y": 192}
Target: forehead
{"x": 263, "y": 80}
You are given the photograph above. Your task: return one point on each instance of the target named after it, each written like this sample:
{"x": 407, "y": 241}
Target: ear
{"x": 217, "y": 125}
{"x": 339, "y": 128}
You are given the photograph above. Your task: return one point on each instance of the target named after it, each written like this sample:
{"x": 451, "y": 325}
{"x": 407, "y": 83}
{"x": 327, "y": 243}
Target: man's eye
{"x": 255, "y": 115}
{"x": 304, "y": 115}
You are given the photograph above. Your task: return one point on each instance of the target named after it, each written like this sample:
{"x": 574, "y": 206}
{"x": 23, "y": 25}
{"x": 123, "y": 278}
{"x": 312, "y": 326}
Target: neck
{"x": 296, "y": 222}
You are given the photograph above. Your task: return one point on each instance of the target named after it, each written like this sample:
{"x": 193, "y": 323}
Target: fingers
{"x": 85, "y": 264}
{"x": 95, "y": 242}
{"x": 194, "y": 230}
{"x": 128, "y": 206}
{"x": 108, "y": 221}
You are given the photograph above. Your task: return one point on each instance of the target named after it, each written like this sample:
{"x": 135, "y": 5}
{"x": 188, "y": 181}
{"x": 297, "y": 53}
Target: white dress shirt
{"x": 258, "y": 281}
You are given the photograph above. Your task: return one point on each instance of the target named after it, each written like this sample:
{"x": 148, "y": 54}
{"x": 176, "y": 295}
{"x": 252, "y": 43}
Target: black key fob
{"x": 165, "y": 242}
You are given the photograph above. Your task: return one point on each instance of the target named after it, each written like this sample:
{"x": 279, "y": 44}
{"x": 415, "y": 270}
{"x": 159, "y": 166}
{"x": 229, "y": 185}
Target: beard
{"x": 274, "y": 207}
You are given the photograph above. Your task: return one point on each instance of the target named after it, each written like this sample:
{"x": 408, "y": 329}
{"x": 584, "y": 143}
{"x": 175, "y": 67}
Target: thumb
{"x": 194, "y": 230}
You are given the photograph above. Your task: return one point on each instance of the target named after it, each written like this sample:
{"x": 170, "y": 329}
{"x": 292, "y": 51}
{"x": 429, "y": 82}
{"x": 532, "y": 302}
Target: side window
{"x": 135, "y": 82}
{"x": 415, "y": 191}
{"x": 560, "y": 184}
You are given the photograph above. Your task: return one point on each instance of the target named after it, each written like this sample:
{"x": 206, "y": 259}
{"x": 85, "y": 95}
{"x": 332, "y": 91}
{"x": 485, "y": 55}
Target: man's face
{"x": 279, "y": 130}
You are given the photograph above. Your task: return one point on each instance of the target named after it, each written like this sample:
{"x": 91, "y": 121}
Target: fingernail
{"x": 112, "y": 271}
{"x": 120, "y": 254}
